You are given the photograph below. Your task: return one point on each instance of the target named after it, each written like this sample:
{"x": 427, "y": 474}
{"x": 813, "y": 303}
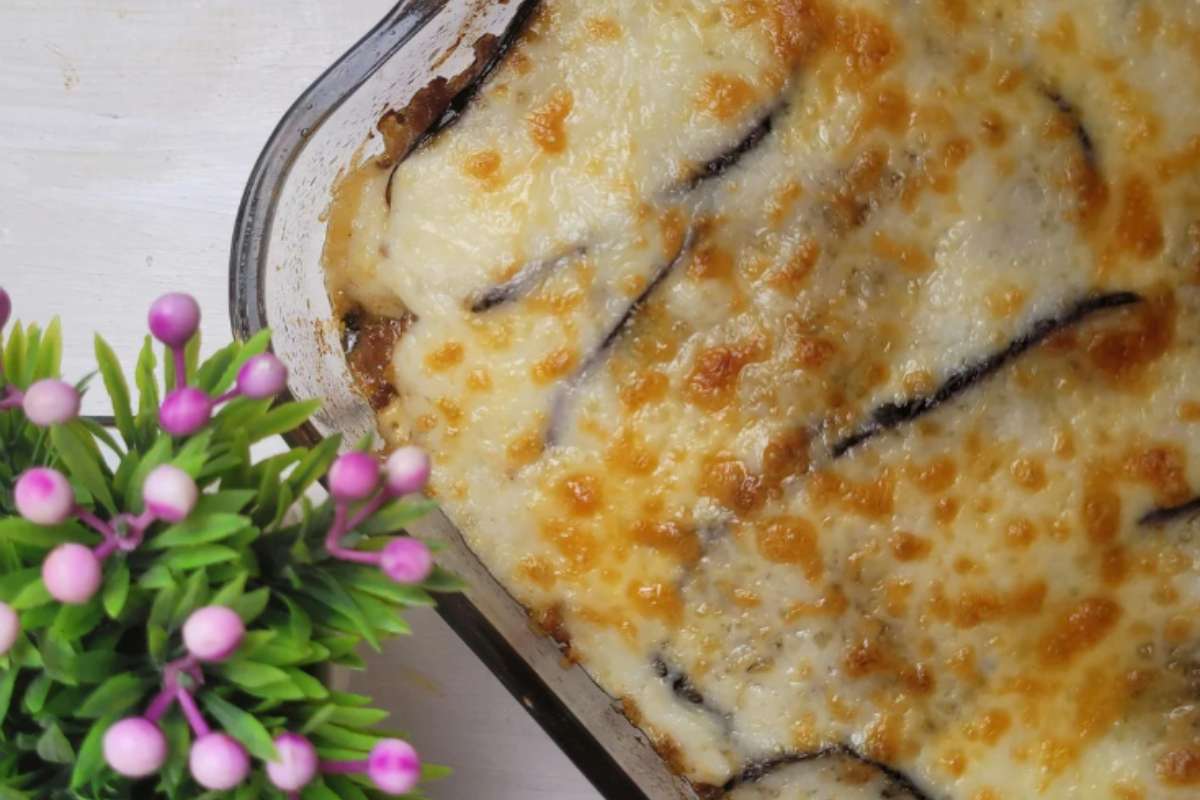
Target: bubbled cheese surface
{"x": 966, "y": 597}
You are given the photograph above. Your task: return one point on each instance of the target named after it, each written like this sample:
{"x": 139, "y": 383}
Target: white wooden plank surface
{"x": 127, "y": 130}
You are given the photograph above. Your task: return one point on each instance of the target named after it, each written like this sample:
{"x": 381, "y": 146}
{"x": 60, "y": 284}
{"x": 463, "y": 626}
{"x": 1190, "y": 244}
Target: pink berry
{"x": 297, "y": 763}
{"x": 406, "y": 560}
{"x": 10, "y": 628}
{"x": 170, "y": 493}
{"x": 5, "y": 308}
{"x": 407, "y": 470}
{"x": 185, "y": 411}
{"x": 353, "y": 476}
{"x": 174, "y": 318}
{"x": 394, "y": 766}
{"x": 44, "y": 496}
{"x": 218, "y": 761}
{"x": 135, "y": 747}
{"x": 51, "y": 402}
{"x": 213, "y": 633}
{"x": 72, "y": 573}
{"x": 262, "y": 376}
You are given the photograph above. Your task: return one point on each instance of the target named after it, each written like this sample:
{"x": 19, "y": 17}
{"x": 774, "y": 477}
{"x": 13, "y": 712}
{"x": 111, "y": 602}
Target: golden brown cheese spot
{"x": 673, "y": 538}
{"x": 989, "y": 726}
{"x": 813, "y": 352}
{"x": 657, "y": 600}
{"x": 784, "y": 457}
{"x": 886, "y": 108}
{"x": 629, "y": 453}
{"x": 798, "y": 29}
{"x": 864, "y": 657}
{"x": 537, "y": 570}
{"x": 445, "y": 356}
{"x": 555, "y": 365}
{"x": 726, "y": 480}
{"x": 791, "y": 540}
{"x": 711, "y": 262}
{"x": 1184, "y": 162}
{"x": 934, "y": 477}
{"x": 871, "y": 499}
{"x": 1189, "y": 411}
{"x": 483, "y": 166}
{"x": 714, "y": 376}
{"x": 524, "y": 449}
{"x": 1080, "y": 629}
{"x": 603, "y": 29}
{"x": 1163, "y": 468}
{"x": 867, "y": 45}
{"x": 724, "y": 96}
{"x": 642, "y": 387}
{"x": 993, "y": 128}
{"x": 1101, "y": 507}
{"x": 479, "y": 380}
{"x": 1139, "y": 224}
{"x": 547, "y": 123}
{"x": 909, "y": 256}
{"x": 1028, "y": 473}
{"x": 782, "y": 202}
{"x": 977, "y": 607}
{"x": 578, "y": 545}
{"x": 908, "y": 546}
{"x": 1004, "y": 302}
{"x": 1061, "y": 35}
{"x": 1020, "y": 533}
{"x": 1123, "y": 352}
{"x": 1179, "y": 767}
{"x": 581, "y": 493}
{"x": 850, "y": 200}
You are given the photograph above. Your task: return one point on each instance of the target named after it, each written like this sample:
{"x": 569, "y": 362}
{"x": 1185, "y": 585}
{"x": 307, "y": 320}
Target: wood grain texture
{"x": 127, "y": 131}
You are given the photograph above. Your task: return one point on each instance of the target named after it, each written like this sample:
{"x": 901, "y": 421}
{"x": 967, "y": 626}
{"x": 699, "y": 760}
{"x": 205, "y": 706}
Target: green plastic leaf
{"x": 35, "y": 694}
{"x": 49, "y": 355}
{"x": 7, "y": 681}
{"x": 339, "y": 736}
{"x": 22, "y": 531}
{"x": 194, "y": 453}
{"x": 318, "y": 718}
{"x": 90, "y": 760}
{"x": 53, "y": 746}
{"x": 241, "y": 725}
{"x": 443, "y": 582}
{"x": 195, "y": 595}
{"x": 82, "y": 462}
{"x": 209, "y": 374}
{"x": 230, "y": 592}
{"x": 251, "y": 674}
{"x": 281, "y": 419}
{"x": 95, "y": 666}
{"x": 364, "y": 717}
{"x": 251, "y": 604}
{"x": 317, "y": 790}
{"x": 115, "y": 696}
{"x": 313, "y": 689}
{"x": 147, "y": 384}
{"x": 199, "y": 528}
{"x": 116, "y": 588}
{"x": 345, "y": 788}
{"x": 75, "y": 621}
{"x": 396, "y": 516}
{"x": 117, "y": 388}
{"x": 202, "y": 556}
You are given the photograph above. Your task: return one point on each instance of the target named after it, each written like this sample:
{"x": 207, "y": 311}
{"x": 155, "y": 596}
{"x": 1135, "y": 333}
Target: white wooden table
{"x": 127, "y": 130}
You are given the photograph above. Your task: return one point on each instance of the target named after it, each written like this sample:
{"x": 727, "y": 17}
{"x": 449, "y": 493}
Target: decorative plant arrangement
{"x": 169, "y": 606}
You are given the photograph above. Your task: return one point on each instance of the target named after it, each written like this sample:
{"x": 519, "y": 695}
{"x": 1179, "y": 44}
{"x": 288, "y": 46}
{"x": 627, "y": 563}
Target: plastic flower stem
{"x": 343, "y": 767}
{"x": 333, "y": 541}
{"x": 100, "y": 526}
{"x": 105, "y": 548}
{"x": 232, "y": 393}
{"x": 161, "y": 704}
{"x": 179, "y": 356}
{"x": 191, "y": 712}
{"x": 368, "y": 509}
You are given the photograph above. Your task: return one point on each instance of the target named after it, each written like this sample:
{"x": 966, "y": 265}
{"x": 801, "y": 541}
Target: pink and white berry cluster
{"x": 357, "y": 478}
{"x": 46, "y": 402}
{"x": 136, "y": 746}
{"x": 174, "y": 319}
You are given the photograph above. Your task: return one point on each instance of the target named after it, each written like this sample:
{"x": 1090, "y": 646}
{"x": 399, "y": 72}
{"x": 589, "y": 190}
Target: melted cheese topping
{"x": 810, "y": 367}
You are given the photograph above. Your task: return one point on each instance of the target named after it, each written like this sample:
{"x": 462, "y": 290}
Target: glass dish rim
{"x": 248, "y": 315}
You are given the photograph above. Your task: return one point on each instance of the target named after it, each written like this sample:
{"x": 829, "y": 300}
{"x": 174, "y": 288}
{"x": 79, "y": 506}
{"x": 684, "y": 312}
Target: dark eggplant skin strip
{"x": 683, "y": 688}
{"x": 458, "y": 104}
{"x": 1086, "y": 143}
{"x": 526, "y": 279}
{"x": 892, "y": 415}
{"x": 720, "y": 164}
{"x": 601, "y": 351}
{"x": 1158, "y": 517}
{"x": 758, "y": 770}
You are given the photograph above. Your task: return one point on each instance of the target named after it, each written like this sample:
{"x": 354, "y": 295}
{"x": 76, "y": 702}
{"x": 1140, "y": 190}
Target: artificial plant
{"x": 170, "y": 606}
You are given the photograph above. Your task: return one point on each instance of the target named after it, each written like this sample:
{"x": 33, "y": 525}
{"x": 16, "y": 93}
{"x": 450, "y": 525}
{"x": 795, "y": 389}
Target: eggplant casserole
{"x": 822, "y": 374}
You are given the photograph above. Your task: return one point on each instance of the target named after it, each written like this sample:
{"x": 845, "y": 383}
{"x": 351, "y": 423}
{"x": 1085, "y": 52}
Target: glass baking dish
{"x": 276, "y": 281}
